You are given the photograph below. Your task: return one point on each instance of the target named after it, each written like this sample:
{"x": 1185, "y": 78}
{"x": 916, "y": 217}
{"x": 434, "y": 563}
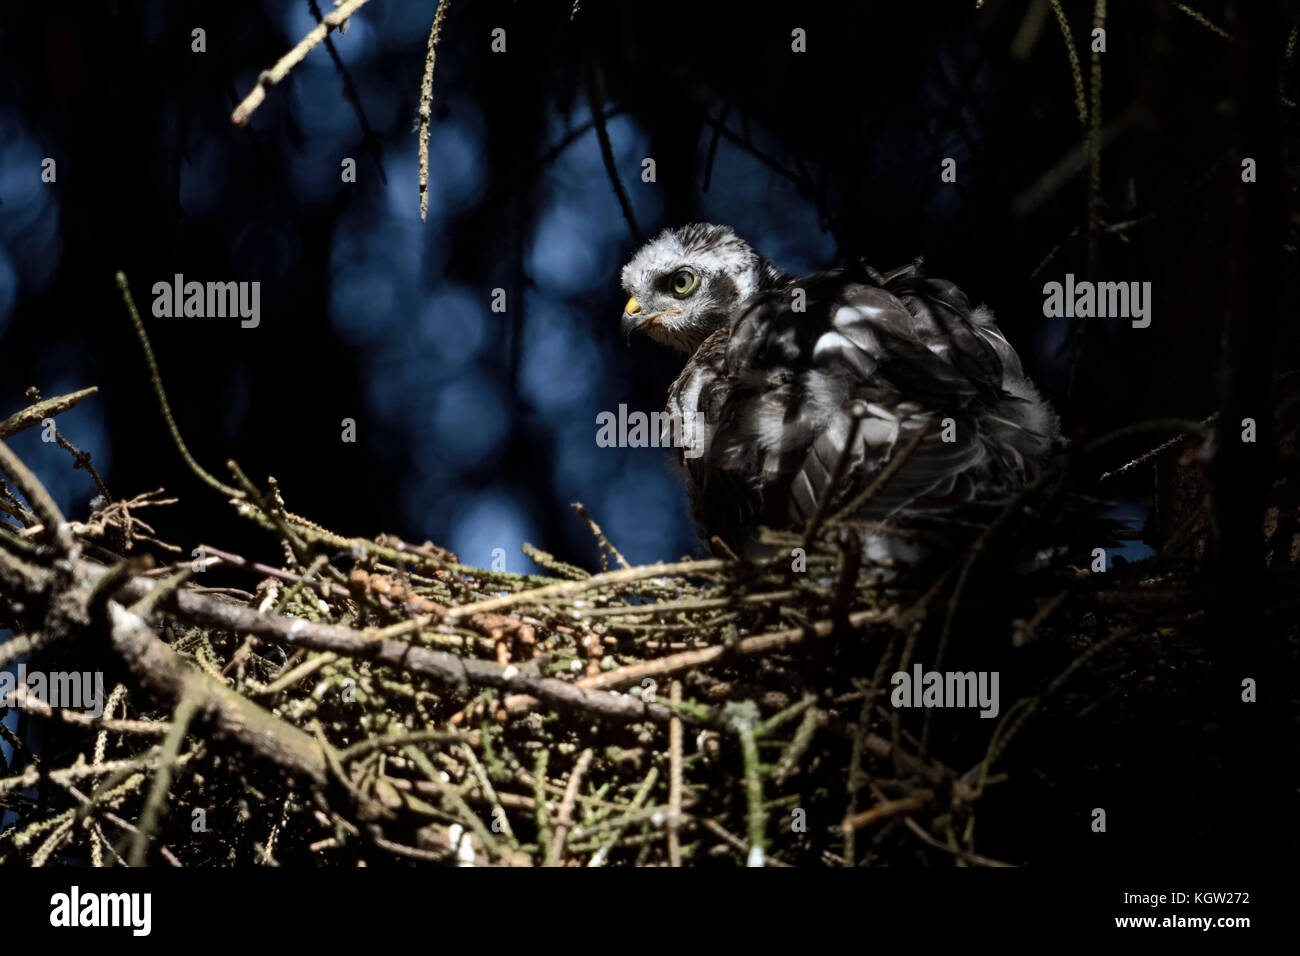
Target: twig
{"x": 955, "y": 851}
{"x": 798, "y": 746}
{"x": 857, "y": 411}
{"x": 729, "y": 838}
{"x": 291, "y": 59}
{"x": 1203, "y": 20}
{"x": 886, "y": 809}
{"x": 679, "y": 607}
{"x": 1076, "y": 72}
{"x": 155, "y": 379}
{"x": 560, "y": 569}
{"x": 607, "y": 152}
{"x": 36, "y": 413}
{"x": 162, "y": 780}
{"x": 489, "y": 791}
{"x": 426, "y": 103}
{"x": 1025, "y": 708}
{"x": 1094, "y": 143}
{"x": 371, "y": 744}
{"x": 325, "y": 588}
{"x": 55, "y": 525}
{"x": 1068, "y": 166}
{"x": 600, "y": 535}
{"x": 890, "y": 469}
{"x": 571, "y": 588}
{"x": 31, "y": 776}
{"x": 760, "y": 644}
{"x": 555, "y": 853}
{"x": 369, "y": 138}
{"x": 147, "y": 728}
{"x": 674, "y": 779}
{"x": 541, "y": 810}
{"x": 755, "y": 816}
{"x": 602, "y": 854}
{"x": 288, "y": 679}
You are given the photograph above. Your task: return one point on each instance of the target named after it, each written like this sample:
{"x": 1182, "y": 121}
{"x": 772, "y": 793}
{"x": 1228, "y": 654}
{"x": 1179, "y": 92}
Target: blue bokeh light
{"x": 490, "y": 519}
{"x": 554, "y": 338}
{"x": 470, "y": 421}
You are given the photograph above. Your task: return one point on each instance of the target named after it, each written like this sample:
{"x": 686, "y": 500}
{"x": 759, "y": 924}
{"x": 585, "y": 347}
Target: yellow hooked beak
{"x": 634, "y": 317}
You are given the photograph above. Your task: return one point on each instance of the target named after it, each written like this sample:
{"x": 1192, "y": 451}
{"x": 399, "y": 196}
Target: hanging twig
{"x": 595, "y": 101}
{"x": 426, "y": 102}
{"x": 280, "y": 70}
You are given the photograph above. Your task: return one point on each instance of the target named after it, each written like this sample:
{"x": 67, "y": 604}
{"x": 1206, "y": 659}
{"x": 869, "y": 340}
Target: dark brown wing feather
{"x": 776, "y": 393}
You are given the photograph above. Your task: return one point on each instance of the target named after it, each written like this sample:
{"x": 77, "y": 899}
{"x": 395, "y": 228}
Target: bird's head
{"x": 686, "y": 284}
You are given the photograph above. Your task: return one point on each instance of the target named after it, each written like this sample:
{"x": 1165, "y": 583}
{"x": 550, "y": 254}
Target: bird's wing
{"x": 724, "y": 503}
{"x": 907, "y": 354}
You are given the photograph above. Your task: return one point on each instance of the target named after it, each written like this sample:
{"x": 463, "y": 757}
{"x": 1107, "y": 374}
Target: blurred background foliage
{"x": 477, "y": 429}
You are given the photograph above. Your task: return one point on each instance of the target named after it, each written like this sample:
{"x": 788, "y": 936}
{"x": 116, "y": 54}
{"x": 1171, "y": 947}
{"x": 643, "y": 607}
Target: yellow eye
{"x": 682, "y": 283}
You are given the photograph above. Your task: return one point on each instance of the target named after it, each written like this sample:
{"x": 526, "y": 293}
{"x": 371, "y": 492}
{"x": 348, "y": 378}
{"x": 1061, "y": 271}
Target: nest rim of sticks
{"x": 412, "y": 708}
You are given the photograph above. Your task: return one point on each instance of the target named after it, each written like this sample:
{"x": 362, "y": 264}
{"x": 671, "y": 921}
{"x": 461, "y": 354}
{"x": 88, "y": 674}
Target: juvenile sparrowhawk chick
{"x": 780, "y": 366}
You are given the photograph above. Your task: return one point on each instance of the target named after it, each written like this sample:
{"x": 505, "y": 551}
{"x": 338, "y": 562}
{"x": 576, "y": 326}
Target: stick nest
{"x": 367, "y": 701}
